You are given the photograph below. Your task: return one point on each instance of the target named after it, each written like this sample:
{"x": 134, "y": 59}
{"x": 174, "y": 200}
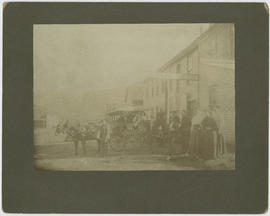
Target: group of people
{"x": 199, "y": 136}
{"x": 207, "y": 138}
{"x": 179, "y": 133}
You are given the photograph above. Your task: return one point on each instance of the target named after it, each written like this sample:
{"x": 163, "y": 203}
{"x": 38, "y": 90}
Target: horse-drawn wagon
{"x": 128, "y": 129}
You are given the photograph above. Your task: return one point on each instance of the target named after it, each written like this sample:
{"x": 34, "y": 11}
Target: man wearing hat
{"x": 104, "y": 135}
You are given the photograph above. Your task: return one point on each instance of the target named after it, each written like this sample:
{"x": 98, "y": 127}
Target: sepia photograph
{"x": 134, "y": 97}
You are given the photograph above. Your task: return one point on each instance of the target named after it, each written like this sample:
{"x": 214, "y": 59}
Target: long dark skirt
{"x": 194, "y": 141}
{"x": 208, "y": 144}
{"x": 185, "y": 139}
{"x": 221, "y": 146}
{"x": 172, "y": 142}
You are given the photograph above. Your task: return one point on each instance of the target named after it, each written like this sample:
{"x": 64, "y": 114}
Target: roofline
{"x": 189, "y": 48}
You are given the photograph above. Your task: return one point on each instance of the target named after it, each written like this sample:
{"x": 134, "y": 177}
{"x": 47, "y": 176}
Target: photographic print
{"x": 124, "y": 97}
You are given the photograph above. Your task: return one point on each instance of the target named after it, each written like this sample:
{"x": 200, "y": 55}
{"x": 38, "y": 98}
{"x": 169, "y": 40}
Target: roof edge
{"x": 188, "y": 48}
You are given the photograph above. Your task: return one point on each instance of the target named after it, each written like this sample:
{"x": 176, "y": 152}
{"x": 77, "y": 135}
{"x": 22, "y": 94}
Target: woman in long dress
{"x": 195, "y": 133}
{"x": 173, "y": 130}
{"x": 209, "y": 137}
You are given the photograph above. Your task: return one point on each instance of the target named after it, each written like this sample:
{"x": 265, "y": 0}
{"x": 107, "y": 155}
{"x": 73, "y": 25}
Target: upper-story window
{"x": 178, "y": 68}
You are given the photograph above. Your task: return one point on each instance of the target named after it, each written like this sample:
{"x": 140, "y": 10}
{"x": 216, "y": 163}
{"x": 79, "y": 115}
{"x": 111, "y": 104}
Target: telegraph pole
{"x": 167, "y": 105}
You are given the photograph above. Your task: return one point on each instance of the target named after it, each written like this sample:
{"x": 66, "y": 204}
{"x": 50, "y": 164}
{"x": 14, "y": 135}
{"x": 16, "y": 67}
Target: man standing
{"x": 75, "y": 134}
{"x": 104, "y": 137}
{"x": 65, "y": 127}
{"x": 83, "y": 133}
{"x": 221, "y": 147}
{"x": 57, "y": 129}
{"x": 185, "y": 131}
{"x": 151, "y": 134}
{"x": 136, "y": 121}
{"x": 195, "y": 135}
{"x": 173, "y": 129}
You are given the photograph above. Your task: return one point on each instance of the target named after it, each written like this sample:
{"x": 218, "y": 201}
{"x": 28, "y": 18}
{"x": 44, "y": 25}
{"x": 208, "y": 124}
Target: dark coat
{"x": 209, "y": 123}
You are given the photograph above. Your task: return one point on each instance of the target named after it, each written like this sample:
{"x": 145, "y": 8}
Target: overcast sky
{"x": 79, "y": 58}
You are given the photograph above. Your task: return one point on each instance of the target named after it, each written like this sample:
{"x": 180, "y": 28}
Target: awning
{"x": 125, "y": 109}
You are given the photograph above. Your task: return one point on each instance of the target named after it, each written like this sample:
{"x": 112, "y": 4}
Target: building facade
{"x": 200, "y": 76}
{"x": 44, "y": 119}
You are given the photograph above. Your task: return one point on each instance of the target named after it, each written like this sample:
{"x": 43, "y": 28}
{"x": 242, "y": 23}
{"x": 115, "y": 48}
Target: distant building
{"x": 134, "y": 94}
{"x": 39, "y": 118}
{"x": 44, "y": 119}
{"x": 132, "y": 102}
{"x": 154, "y": 96}
{"x": 202, "y": 75}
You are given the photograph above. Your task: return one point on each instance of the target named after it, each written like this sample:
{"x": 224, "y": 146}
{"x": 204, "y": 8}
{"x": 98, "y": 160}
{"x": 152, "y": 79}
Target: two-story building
{"x": 201, "y": 75}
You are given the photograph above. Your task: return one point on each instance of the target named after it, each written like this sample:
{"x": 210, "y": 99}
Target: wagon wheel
{"x": 116, "y": 143}
{"x": 130, "y": 139}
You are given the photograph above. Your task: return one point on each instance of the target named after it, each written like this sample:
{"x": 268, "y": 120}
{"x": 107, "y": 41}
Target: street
{"x": 55, "y": 154}
{"x": 61, "y": 157}
{"x": 121, "y": 163}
